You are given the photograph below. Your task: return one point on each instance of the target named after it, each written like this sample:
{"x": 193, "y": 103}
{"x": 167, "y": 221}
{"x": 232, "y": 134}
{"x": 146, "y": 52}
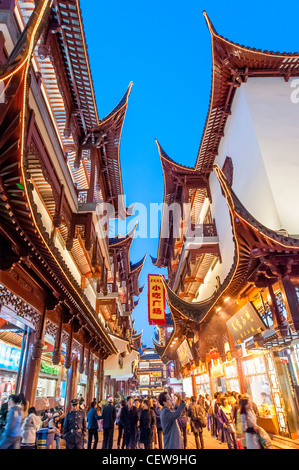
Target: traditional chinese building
{"x": 233, "y": 273}
{"x": 118, "y": 305}
{"x": 58, "y": 163}
{"x": 151, "y": 373}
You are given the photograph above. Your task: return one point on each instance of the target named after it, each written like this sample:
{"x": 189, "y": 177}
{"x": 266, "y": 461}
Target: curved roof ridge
{"x": 163, "y": 156}
{"x": 238, "y": 62}
{"x": 135, "y": 266}
{"x": 119, "y": 240}
{"x": 123, "y": 102}
{"x": 247, "y": 48}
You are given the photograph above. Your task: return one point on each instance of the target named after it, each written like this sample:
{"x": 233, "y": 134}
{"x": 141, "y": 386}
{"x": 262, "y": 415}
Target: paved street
{"x": 210, "y": 442}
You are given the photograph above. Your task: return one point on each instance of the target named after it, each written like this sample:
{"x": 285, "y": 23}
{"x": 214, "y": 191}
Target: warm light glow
{"x": 227, "y": 299}
{"x": 217, "y": 309}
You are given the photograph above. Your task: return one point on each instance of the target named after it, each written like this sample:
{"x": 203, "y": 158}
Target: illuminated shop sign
{"x": 9, "y": 357}
{"x": 156, "y": 300}
{"x": 144, "y": 380}
{"x": 83, "y": 379}
{"x": 47, "y": 368}
{"x": 184, "y": 353}
{"x": 245, "y": 323}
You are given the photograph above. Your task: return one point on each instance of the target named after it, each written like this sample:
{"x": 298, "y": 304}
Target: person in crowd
{"x": 151, "y": 404}
{"x": 24, "y": 404}
{"x": 92, "y": 426}
{"x": 120, "y": 425}
{"x": 147, "y": 423}
{"x": 30, "y": 426}
{"x": 137, "y": 404}
{"x": 253, "y": 405}
{"x": 201, "y": 401}
{"x": 56, "y": 423}
{"x": 3, "y": 416}
{"x": 157, "y": 410}
{"x": 108, "y": 416}
{"x": 217, "y": 404}
{"x": 129, "y": 419}
{"x": 197, "y": 421}
{"x": 240, "y": 435}
{"x": 171, "y": 430}
{"x": 265, "y": 398}
{"x": 225, "y": 418}
{"x": 207, "y": 404}
{"x": 99, "y": 407}
{"x": 249, "y": 424}
{"x": 81, "y": 399}
{"x": 213, "y": 419}
{"x": 182, "y": 420}
{"x": 74, "y": 427}
{"x": 11, "y": 436}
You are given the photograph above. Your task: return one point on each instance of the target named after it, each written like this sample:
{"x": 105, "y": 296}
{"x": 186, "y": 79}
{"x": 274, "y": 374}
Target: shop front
{"x": 9, "y": 367}
{"x": 232, "y": 382}
{"x": 49, "y": 392}
{"x": 202, "y": 382}
{"x": 81, "y": 386}
{"x": 188, "y": 386}
{"x": 217, "y": 377}
{"x": 258, "y": 387}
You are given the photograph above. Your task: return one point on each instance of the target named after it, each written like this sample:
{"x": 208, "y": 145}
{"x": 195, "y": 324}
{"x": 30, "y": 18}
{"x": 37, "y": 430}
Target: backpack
{"x": 200, "y": 417}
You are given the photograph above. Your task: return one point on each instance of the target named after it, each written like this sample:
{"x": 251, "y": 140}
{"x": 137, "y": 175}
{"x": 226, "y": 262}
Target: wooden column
{"x": 90, "y": 381}
{"x": 38, "y": 344}
{"x": 33, "y": 356}
{"x": 30, "y": 373}
{"x": 56, "y": 356}
{"x": 58, "y": 208}
{"x": 82, "y": 357}
{"x": 291, "y": 302}
{"x": 99, "y": 377}
{"x": 90, "y": 192}
{"x": 68, "y": 355}
{"x": 278, "y": 321}
{"x": 71, "y": 384}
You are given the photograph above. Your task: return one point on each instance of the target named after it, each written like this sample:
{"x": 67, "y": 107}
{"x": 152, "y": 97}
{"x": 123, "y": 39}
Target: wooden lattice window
{"x": 228, "y": 170}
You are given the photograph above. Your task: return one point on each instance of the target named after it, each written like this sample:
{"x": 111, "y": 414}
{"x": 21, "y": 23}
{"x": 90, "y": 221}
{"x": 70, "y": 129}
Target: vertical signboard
{"x": 156, "y": 300}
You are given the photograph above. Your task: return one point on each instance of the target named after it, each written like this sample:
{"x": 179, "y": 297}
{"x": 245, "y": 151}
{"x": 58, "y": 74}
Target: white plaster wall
{"x": 250, "y": 178}
{"x": 275, "y": 118}
{"x": 261, "y": 137}
{"x": 220, "y": 213}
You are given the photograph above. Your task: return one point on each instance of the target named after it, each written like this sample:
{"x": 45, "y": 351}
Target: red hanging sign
{"x": 156, "y": 300}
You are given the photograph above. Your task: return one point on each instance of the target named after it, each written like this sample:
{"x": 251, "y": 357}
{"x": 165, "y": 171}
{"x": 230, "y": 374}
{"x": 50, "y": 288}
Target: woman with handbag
{"x": 249, "y": 425}
{"x": 182, "y": 420}
{"x": 198, "y": 422}
{"x": 226, "y": 420}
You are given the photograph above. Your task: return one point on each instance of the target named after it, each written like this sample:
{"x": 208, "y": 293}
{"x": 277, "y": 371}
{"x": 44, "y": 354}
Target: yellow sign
{"x": 245, "y": 323}
{"x": 156, "y": 300}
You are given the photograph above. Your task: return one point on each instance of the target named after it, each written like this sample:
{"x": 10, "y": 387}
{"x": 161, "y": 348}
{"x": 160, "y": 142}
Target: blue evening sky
{"x": 164, "y": 48}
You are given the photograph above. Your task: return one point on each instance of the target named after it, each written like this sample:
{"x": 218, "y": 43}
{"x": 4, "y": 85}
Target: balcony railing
{"x": 201, "y": 230}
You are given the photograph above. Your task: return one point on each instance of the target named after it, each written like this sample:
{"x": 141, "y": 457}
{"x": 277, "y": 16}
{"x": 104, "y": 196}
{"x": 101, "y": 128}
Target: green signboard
{"x": 47, "y": 368}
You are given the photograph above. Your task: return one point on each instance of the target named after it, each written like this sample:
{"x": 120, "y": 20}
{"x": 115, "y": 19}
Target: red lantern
{"x": 214, "y": 354}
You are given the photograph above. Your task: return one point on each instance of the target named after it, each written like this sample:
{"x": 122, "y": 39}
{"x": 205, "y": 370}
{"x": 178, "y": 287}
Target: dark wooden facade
{"x": 57, "y": 162}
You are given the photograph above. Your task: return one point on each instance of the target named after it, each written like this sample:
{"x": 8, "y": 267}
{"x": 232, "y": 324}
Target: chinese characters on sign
{"x": 156, "y": 300}
{"x": 245, "y": 323}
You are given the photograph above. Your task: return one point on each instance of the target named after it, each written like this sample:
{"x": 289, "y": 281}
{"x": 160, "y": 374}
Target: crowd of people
{"x": 158, "y": 422}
